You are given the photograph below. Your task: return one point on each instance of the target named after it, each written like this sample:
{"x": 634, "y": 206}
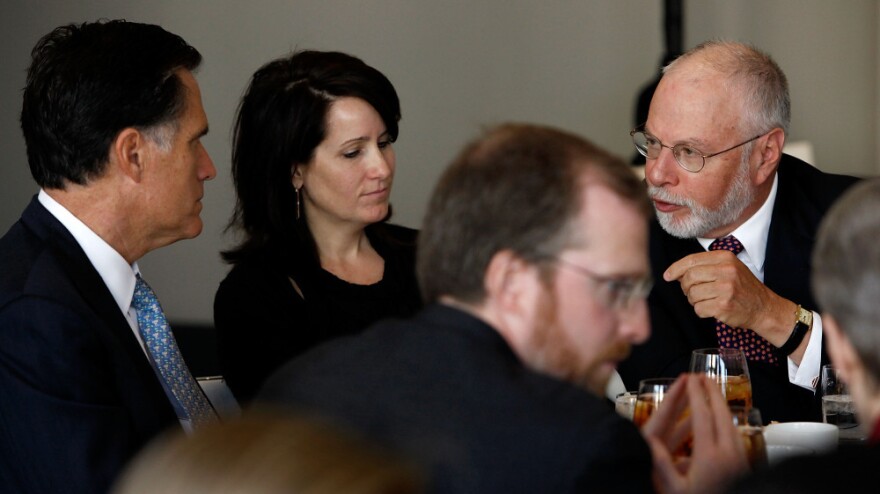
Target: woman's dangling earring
{"x": 296, "y": 191}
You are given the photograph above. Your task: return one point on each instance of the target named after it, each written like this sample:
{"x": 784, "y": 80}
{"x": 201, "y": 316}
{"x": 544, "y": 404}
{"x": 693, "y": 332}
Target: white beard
{"x": 702, "y": 220}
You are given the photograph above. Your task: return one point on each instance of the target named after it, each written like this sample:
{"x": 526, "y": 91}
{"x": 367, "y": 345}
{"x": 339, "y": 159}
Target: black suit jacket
{"x": 444, "y": 389}
{"x": 803, "y": 196}
{"x": 77, "y": 395}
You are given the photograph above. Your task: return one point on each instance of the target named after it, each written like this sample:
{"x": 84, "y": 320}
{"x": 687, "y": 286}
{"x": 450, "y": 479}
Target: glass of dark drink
{"x": 728, "y": 368}
{"x": 751, "y": 429}
{"x": 650, "y": 395}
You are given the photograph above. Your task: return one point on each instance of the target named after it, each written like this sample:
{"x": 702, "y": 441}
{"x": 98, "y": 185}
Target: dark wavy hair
{"x": 281, "y": 120}
{"x": 87, "y": 82}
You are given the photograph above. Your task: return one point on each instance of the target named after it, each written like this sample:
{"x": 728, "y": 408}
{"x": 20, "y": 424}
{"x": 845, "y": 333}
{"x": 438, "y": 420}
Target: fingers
{"x": 711, "y": 419}
{"x": 677, "y": 269}
{"x": 667, "y": 476}
{"x": 688, "y": 263}
{"x": 682, "y": 432}
{"x": 701, "y": 418}
{"x": 662, "y": 421}
{"x": 715, "y": 435}
{"x": 718, "y": 454}
{"x": 663, "y": 435}
{"x": 719, "y": 285}
{"x": 705, "y": 278}
{"x": 726, "y": 433}
{"x": 724, "y": 427}
{"x": 704, "y": 267}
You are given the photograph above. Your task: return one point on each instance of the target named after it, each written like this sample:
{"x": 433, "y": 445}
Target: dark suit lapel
{"x": 787, "y": 263}
{"x": 676, "y": 329}
{"x": 666, "y": 249}
{"x": 92, "y": 289}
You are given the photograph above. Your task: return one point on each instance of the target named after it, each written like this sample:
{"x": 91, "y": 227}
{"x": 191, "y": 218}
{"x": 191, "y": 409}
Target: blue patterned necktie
{"x": 179, "y": 384}
{"x": 753, "y": 345}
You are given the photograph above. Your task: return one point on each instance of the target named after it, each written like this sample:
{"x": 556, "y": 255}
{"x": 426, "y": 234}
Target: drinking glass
{"x": 650, "y": 395}
{"x": 625, "y": 403}
{"x": 728, "y": 368}
{"x": 751, "y": 429}
{"x": 837, "y": 404}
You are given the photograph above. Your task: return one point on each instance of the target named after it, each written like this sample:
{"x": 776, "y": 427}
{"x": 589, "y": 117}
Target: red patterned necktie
{"x": 752, "y": 344}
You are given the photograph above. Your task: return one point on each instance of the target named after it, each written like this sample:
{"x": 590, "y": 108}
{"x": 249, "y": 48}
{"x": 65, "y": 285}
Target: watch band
{"x": 803, "y": 324}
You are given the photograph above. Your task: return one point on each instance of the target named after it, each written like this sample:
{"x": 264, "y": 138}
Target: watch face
{"x": 805, "y": 316}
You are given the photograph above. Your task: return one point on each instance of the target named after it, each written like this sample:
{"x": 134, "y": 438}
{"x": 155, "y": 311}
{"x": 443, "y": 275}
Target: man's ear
{"x": 512, "y": 303}
{"x": 510, "y": 282}
{"x": 129, "y": 153}
{"x": 770, "y": 149}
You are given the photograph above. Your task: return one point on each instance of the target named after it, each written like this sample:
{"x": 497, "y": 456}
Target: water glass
{"x": 625, "y": 403}
{"x": 837, "y": 404}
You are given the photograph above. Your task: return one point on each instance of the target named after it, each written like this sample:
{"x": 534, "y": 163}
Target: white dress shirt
{"x": 753, "y": 236}
{"x": 117, "y": 273}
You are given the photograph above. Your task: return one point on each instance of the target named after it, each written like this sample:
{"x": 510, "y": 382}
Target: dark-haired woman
{"x": 313, "y": 164}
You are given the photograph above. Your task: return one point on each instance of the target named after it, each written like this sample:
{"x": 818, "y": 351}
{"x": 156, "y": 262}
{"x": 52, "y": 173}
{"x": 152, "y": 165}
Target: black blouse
{"x": 262, "y": 321}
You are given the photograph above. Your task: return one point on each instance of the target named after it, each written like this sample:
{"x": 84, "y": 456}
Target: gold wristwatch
{"x": 803, "y": 323}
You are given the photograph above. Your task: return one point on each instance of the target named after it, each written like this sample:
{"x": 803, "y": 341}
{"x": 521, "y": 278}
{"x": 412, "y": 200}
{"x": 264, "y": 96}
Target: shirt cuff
{"x": 806, "y": 375}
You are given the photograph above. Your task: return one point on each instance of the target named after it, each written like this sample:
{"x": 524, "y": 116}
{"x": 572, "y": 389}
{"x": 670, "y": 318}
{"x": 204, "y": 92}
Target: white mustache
{"x": 661, "y": 194}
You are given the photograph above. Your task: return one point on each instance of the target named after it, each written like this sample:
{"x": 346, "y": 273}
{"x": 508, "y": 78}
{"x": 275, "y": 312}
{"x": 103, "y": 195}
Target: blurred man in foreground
{"x": 533, "y": 259}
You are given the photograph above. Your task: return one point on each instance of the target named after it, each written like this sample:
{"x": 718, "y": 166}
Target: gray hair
{"x": 846, "y": 268}
{"x": 750, "y": 72}
{"x": 162, "y": 134}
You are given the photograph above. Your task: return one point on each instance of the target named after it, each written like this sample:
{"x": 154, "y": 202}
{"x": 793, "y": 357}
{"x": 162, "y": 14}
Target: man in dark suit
{"x": 112, "y": 117}
{"x": 497, "y": 385}
{"x": 720, "y": 182}
{"x": 846, "y": 281}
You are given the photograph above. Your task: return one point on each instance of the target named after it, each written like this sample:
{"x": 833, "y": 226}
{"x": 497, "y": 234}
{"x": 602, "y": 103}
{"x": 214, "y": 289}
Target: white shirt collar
{"x": 117, "y": 274}
{"x": 753, "y": 234}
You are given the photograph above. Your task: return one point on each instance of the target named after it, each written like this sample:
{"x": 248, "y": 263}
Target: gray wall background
{"x": 459, "y": 65}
